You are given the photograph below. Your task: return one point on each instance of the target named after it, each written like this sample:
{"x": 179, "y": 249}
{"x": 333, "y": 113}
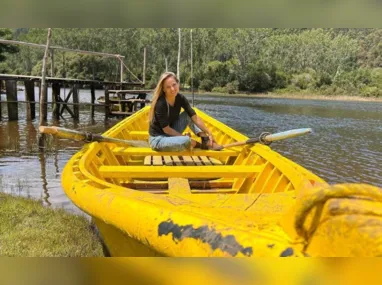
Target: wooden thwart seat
{"x": 207, "y": 171}
{"x": 146, "y": 151}
{"x": 180, "y": 160}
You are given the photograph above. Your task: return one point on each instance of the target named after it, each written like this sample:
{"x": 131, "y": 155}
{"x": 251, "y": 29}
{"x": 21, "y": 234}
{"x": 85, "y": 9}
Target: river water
{"x": 346, "y": 145}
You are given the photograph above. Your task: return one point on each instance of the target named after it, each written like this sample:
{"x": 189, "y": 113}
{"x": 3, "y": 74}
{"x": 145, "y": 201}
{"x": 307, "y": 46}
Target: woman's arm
{"x": 171, "y": 132}
{"x": 199, "y": 122}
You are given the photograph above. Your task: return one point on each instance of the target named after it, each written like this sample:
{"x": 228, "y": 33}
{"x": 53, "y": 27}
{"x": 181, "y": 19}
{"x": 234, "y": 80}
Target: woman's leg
{"x": 181, "y": 124}
{"x": 162, "y": 143}
{"x": 183, "y": 121}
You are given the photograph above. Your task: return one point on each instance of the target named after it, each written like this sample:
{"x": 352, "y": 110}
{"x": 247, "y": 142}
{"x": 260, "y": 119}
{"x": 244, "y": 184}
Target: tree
{"x": 6, "y": 34}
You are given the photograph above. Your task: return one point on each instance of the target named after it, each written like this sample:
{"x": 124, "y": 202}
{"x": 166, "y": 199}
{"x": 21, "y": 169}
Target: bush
{"x": 371, "y": 91}
{"x": 221, "y": 73}
{"x": 206, "y": 85}
{"x": 196, "y": 82}
{"x": 332, "y": 90}
{"x": 219, "y": 89}
{"x": 4, "y": 68}
{"x": 376, "y": 77}
{"x": 324, "y": 79}
{"x": 303, "y": 81}
{"x": 353, "y": 79}
{"x": 232, "y": 87}
{"x": 255, "y": 78}
{"x": 280, "y": 80}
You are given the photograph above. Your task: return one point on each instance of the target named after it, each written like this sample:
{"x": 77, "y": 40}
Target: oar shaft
{"x": 86, "y": 136}
{"x": 234, "y": 144}
{"x": 268, "y": 138}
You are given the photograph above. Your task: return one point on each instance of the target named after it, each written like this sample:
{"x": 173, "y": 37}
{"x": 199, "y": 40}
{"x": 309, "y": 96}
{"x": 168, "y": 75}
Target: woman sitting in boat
{"x": 167, "y": 124}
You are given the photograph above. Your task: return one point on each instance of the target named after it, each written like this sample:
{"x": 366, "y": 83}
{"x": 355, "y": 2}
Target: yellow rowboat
{"x": 246, "y": 200}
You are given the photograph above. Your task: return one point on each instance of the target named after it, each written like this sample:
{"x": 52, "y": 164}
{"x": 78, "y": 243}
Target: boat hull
{"x": 252, "y": 202}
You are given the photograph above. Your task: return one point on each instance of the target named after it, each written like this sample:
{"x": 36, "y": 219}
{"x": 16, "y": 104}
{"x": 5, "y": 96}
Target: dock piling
{"x": 76, "y": 107}
{"x": 1, "y": 85}
{"x": 30, "y": 98}
{"x": 11, "y": 89}
{"x": 59, "y": 104}
{"x": 92, "y": 91}
{"x": 107, "y": 103}
{"x": 56, "y": 99}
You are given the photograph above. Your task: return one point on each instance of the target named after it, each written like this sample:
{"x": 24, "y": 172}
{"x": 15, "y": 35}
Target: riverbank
{"x": 27, "y": 228}
{"x": 300, "y": 96}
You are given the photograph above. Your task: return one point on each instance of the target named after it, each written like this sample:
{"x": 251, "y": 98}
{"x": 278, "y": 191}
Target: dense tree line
{"x": 326, "y": 61}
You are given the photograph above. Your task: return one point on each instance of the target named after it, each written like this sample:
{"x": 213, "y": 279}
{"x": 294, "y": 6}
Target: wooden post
{"x": 178, "y": 64}
{"x": 31, "y": 104}
{"x": 107, "y": 102}
{"x": 192, "y": 74}
{"x": 122, "y": 105}
{"x": 63, "y": 65}
{"x": 56, "y": 99}
{"x": 52, "y": 63}
{"x": 144, "y": 66}
{"x": 92, "y": 91}
{"x": 1, "y": 85}
{"x": 43, "y": 94}
{"x": 11, "y": 89}
{"x": 76, "y": 107}
{"x": 120, "y": 59}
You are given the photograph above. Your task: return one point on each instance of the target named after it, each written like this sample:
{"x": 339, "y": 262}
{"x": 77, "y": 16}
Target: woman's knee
{"x": 179, "y": 143}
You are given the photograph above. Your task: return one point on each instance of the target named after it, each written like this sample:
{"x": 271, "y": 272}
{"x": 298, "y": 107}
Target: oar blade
{"x": 287, "y": 134}
{"x": 63, "y": 133}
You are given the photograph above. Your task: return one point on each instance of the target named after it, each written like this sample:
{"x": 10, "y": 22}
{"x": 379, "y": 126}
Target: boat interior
{"x": 245, "y": 169}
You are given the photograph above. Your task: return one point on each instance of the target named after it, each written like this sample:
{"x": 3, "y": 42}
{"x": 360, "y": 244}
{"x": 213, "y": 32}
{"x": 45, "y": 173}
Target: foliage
{"x": 280, "y": 79}
{"x": 220, "y": 72}
{"x": 219, "y": 89}
{"x": 237, "y": 60}
{"x": 323, "y": 79}
{"x": 232, "y": 87}
{"x": 255, "y": 78}
{"x": 4, "y": 48}
{"x": 303, "y": 81}
{"x": 371, "y": 91}
{"x": 206, "y": 85}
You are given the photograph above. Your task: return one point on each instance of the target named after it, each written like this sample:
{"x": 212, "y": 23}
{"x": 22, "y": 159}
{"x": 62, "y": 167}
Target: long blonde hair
{"x": 159, "y": 92}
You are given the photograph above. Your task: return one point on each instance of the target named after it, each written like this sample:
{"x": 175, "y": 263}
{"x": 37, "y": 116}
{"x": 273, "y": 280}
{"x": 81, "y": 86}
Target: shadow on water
{"x": 346, "y": 144}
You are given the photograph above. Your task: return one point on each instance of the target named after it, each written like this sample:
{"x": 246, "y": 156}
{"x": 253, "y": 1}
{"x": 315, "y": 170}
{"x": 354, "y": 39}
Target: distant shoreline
{"x": 292, "y": 96}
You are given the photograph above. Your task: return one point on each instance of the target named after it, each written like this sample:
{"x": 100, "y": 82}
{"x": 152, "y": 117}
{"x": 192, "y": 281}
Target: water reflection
{"x": 346, "y": 144}
{"x": 41, "y": 157}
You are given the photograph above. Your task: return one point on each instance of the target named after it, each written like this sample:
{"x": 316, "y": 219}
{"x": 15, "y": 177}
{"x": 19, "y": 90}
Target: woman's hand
{"x": 211, "y": 139}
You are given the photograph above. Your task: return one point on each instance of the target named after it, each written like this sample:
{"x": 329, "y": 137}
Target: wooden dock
{"x": 71, "y": 104}
{"x": 8, "y": 83}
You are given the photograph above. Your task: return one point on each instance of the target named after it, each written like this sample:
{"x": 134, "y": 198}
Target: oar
{"x": 267, "y": 138}
{"x": 88, "y": 137}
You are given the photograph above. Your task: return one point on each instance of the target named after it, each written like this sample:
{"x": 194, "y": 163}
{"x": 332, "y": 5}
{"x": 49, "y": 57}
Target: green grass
{"x": 27, "y": 228}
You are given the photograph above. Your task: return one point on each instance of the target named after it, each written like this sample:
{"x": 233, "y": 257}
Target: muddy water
{"x": 346, "y": 145}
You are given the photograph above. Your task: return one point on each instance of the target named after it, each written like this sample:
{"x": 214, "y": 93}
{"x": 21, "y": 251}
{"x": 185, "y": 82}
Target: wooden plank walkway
{"x": 60, "y": 105}
{"x": 66, "y": 80}
{"x": 181, "y": 160}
